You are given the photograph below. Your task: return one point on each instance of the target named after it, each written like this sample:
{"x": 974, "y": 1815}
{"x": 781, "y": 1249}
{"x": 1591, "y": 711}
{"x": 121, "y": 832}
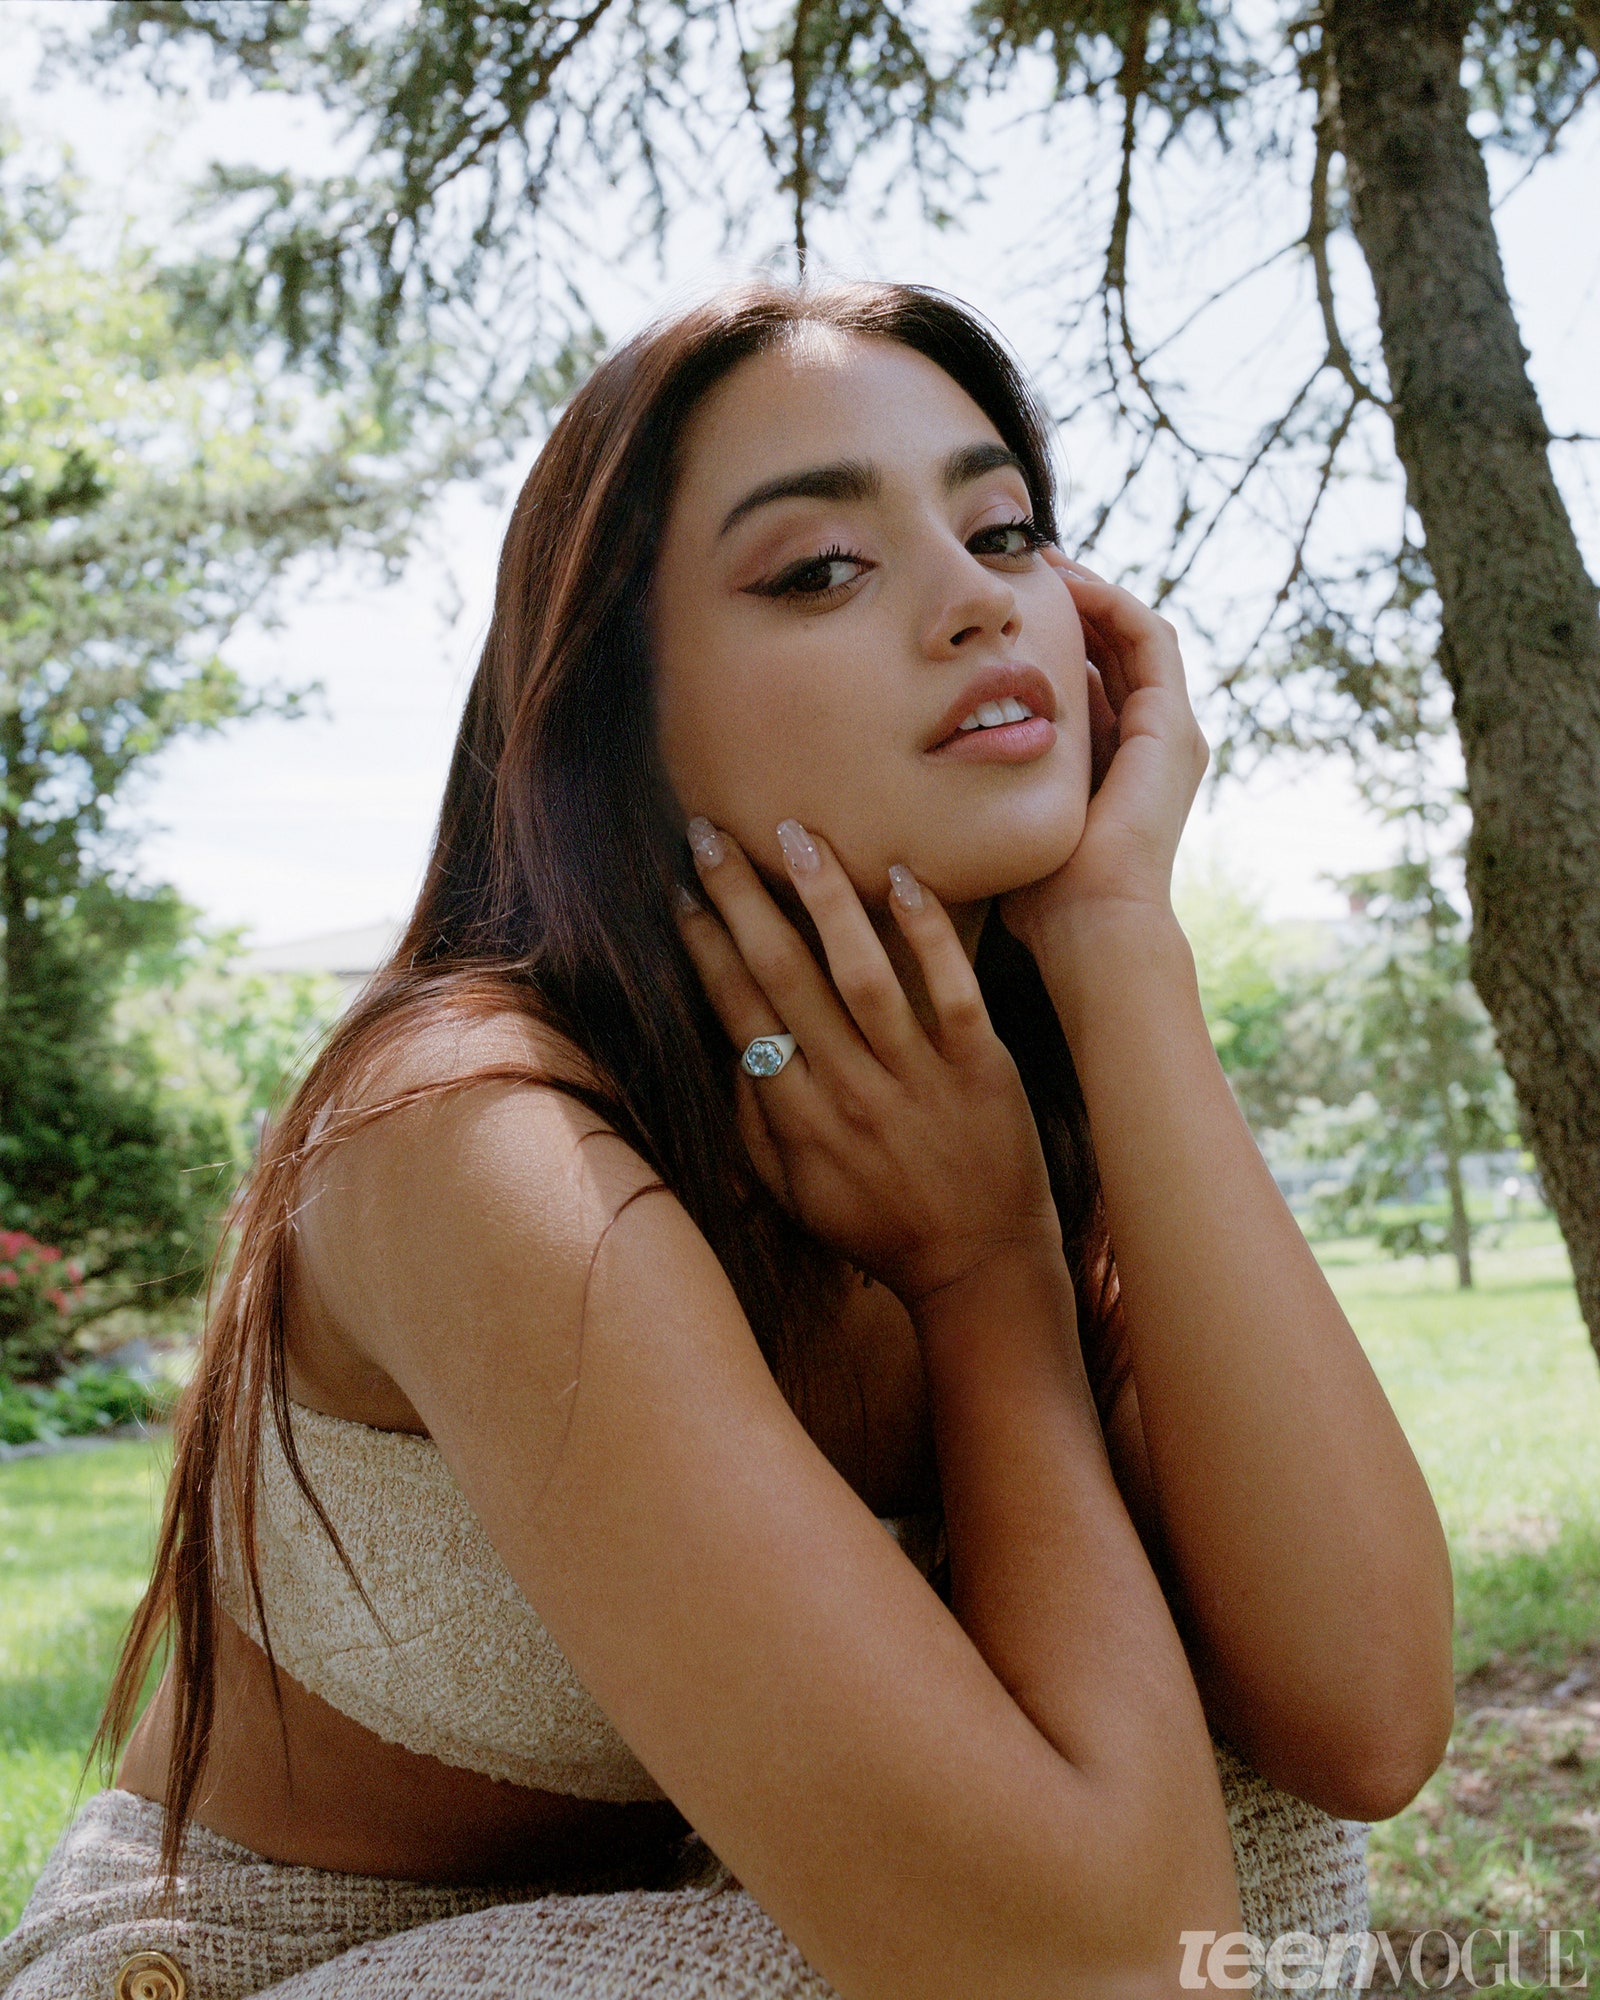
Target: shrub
{"x": 79, "y": 1405}
{"x": 38, "y": 1289}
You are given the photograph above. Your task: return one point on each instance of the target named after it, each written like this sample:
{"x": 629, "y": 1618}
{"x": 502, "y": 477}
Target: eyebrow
{"x": 853, "y": 479}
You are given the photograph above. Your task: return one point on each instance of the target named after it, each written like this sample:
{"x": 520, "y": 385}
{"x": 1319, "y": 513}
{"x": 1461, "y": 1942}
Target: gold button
{"x": 150, "y": 1975}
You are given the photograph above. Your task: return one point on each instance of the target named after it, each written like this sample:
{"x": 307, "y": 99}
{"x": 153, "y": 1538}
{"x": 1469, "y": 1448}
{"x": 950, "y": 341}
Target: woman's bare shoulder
{"x": 465, "y": 1074}
{"x": 454, "y": 1167}
{"x": 451, "y": 1046}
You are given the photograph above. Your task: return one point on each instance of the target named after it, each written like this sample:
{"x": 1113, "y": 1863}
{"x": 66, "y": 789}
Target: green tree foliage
{"x": 1422, "y": 1084}
{"x": 202, "y": 1049}
{"x": 229, "y": 1041}
{"x": 1253, "y": 977}
{"x": 448, "y": 264}
{"x": 1361, "y": 1048}
{"x": 148, "y": 499}
{"x": 485, "y": 128}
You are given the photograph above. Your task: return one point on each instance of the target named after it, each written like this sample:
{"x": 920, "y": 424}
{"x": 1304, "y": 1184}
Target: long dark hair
{"x": 549, "y": 892}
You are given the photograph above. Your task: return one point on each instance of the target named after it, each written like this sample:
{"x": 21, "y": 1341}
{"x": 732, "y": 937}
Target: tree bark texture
{"x": 1521, "y": 635}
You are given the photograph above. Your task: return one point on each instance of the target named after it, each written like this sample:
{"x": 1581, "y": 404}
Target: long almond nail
{"x": 799, "y": 850}
{"x": 705, "y": 841}
{"x": 904, "y": 887}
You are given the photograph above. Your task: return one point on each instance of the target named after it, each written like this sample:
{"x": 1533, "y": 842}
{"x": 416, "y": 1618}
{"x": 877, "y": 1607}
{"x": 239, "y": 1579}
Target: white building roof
{"x": 352, "y": 956}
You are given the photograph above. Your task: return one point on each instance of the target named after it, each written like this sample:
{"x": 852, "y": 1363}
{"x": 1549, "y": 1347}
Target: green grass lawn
{"x": 75, "y": 1537}
{"x": 1497, "y": 1389}
{"x": 1499, "y": 1394}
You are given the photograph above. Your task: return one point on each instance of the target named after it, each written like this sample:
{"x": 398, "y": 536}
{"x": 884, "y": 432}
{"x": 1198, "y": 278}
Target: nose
{"x": 968, "y": 603}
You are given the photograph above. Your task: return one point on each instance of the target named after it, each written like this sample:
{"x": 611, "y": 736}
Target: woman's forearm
{"x": 1049, "y": 1577}
{"x": 1304, "y": 1539}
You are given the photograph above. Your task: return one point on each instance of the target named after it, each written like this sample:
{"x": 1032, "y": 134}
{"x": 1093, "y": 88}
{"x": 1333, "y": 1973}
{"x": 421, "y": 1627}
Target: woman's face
{"x": 844, "y": 577}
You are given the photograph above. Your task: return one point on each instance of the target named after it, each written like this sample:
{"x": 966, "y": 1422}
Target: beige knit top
{"x": 462, "y": 1669}
{"x": 460, "y": 1666}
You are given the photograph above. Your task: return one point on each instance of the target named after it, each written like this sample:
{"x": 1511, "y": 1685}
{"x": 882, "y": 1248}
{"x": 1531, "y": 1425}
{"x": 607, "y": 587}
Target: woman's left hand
{"x": 1149, "y": 759}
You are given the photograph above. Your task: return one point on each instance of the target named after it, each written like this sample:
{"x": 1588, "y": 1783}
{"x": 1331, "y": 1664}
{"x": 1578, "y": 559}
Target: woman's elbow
{"x": 1378, "y": 1763}
{"x": 1360, "y": 1747}
{"x": 1390, "y": 1775}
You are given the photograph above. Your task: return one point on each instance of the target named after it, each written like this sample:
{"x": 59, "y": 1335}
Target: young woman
{"x": 788, "y": 1111}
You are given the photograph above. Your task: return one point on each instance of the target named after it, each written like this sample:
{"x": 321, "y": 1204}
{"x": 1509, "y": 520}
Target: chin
{"x": 1000, "y": 863}
{"x": 965, "y": 883}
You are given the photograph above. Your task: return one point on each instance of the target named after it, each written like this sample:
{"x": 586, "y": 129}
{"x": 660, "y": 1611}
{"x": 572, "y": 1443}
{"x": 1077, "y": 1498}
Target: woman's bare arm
{"x": 1027, "y": 1807}
{"x": 1301, "y": 1529}
{"x": 1311, "y": 1567}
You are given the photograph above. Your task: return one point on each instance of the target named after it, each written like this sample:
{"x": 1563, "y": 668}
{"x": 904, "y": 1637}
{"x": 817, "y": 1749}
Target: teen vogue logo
{"x": 1299, "y": 1962}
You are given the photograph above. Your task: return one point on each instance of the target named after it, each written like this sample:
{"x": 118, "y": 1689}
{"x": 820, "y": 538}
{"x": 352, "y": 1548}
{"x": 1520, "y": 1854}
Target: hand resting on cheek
{"x": 913, "y": 1154}
{"x": 1148, "y": 759}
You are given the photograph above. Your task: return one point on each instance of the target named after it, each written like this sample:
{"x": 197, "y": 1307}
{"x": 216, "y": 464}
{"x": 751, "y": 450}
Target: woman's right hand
{"x": 915, "y": 1155}
{"x": 1149, "y": 758}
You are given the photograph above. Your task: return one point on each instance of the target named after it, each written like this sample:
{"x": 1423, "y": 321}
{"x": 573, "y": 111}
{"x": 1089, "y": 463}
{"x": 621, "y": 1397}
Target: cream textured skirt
{"x": 96, "y": 1929}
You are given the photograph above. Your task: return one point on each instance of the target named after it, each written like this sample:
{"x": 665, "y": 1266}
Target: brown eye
{"x": 827, "y": 573}
{"x": 1010, "y": 539}
{"x": 817, "y": 578}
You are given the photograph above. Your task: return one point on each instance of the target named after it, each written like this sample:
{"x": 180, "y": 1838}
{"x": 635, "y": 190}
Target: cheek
{"x": 1052, "y": 617}
{"x": 700, "y": 697}
{"x": 1073, "y": 723}
{"x": 749, "y": 723}
{"x": 1059, "y": 649}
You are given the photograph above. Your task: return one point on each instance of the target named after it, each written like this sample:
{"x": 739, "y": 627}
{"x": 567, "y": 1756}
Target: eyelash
{"x": 786, "y": 583}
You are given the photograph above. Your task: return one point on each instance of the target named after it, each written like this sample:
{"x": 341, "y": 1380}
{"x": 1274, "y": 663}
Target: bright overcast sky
{"x": 293, "y": 829}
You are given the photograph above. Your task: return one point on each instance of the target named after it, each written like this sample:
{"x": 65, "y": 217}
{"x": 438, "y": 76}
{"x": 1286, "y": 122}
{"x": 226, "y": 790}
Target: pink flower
{"x": 8, "y": 1279}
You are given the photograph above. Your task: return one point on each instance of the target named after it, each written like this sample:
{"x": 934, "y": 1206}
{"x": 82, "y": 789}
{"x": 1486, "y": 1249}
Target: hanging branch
{"x": 1264, "y": 444}
{"x": 1131, "y": 75}
{"x": 1552, "y": 139}
{"x": 1316, "y": 237}
{"x": 747, "y": 71}
{"x": 1297, "y": 561}
{"x": 797, "y": 123}
{"x": 1137, "y": 400}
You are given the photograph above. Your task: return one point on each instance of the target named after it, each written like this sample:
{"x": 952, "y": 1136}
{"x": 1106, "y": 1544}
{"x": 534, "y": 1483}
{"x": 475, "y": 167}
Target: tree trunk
{"x": 1460, "y": 1225}
{"x": 1440, "y": 1045}
{"x": 13, "y": 902}
{"x": 1521, "y": 639}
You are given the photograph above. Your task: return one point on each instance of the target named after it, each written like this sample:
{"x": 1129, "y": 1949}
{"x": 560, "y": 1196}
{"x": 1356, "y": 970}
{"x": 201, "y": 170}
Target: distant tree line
{"x": 1362, "y": 1049}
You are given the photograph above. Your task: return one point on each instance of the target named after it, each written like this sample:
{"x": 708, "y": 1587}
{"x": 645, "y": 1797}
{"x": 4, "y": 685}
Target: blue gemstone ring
{"x": 766, "y": 1055}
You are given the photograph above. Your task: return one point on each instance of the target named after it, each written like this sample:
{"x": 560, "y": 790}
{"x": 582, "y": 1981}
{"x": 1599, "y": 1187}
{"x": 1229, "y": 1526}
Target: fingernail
{"x": 799, "y": 850}
{"x": 904, "y": 887}
{"x": 705, "y": 840}
{"x": 684, "y": 900}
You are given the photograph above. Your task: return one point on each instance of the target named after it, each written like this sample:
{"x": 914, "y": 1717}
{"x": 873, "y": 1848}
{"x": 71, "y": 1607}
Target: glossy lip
{"x": 1007, "y": 743}
{"x": 1024, "y": 683}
